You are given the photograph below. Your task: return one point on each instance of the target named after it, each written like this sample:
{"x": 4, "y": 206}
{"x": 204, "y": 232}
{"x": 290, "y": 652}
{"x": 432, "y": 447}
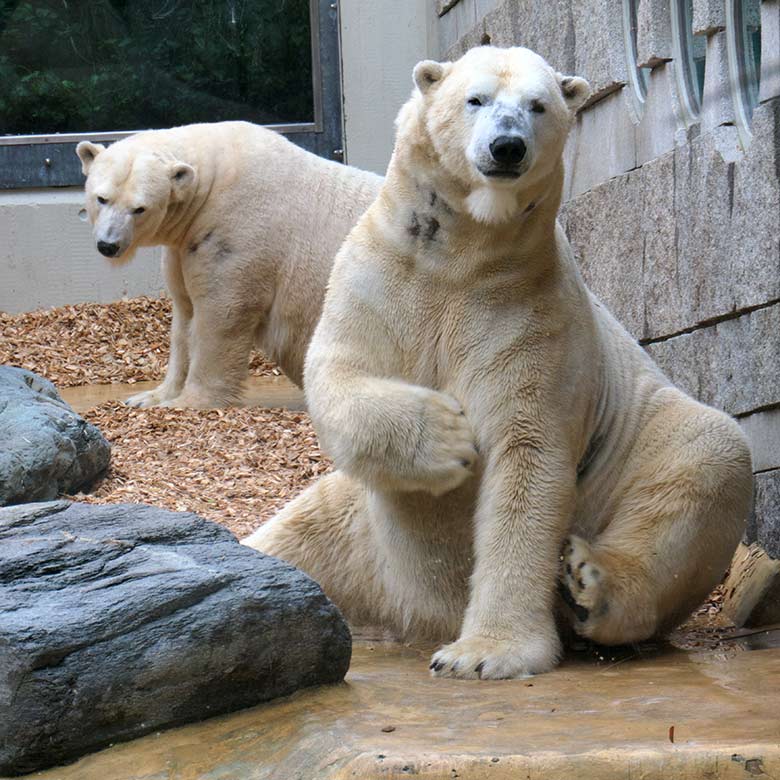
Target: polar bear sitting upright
{"x": 499, "y": 437}
{"x": 250, "y": 224}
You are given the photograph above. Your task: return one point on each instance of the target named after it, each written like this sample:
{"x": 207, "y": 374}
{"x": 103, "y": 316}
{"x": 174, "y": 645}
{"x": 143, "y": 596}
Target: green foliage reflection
{"x": 93, "y": 65}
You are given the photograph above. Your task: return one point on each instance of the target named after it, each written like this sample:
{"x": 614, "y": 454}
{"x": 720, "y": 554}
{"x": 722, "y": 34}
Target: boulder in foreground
{"x": 119, "y": 620}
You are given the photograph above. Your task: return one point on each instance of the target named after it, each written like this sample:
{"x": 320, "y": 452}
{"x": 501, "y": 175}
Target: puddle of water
{"x": 274, "y": 392}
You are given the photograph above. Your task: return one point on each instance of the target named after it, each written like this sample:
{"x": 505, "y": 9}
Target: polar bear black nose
{"x": 109, "y": 250}
{"x": 508, "y": 149}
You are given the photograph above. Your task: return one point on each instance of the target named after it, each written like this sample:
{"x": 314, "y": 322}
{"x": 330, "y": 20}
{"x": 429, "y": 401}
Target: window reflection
{"x": 103, "y": 65}
{"x": 689, "y": 53}
{"x": 748, "y": 21}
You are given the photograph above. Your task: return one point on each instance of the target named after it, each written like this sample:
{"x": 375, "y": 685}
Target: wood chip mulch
{"x": 234, "y": 466}
{"x": 95, "y": 343}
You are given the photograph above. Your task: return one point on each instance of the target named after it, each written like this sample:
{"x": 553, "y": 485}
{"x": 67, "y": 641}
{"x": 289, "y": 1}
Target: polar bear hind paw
{"x": 582, "y": 582}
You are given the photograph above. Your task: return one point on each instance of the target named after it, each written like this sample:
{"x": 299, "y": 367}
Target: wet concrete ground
{"x": 649, "y": 713}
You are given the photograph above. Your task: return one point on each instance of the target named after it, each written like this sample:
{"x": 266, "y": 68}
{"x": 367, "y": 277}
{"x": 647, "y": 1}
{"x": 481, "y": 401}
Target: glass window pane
{"x": 751, "y": 48}
{"x": 102, "y": 65}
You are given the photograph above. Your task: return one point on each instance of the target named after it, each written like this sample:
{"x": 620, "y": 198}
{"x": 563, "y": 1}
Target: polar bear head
{"x": 497, "y": 120}
{"x": 130, "y": 189}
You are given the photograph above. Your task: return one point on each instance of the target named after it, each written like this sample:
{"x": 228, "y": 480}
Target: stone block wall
{"x": 675, "y": 218}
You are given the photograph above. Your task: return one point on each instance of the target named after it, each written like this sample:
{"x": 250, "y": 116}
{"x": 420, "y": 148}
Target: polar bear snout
{"x": 507, "y": 151}
{"x": 108, "y": 249}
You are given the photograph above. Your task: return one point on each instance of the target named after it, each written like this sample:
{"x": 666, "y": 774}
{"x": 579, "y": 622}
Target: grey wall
{"x": 676, "y": 223}
{"x": 48, "y": 257}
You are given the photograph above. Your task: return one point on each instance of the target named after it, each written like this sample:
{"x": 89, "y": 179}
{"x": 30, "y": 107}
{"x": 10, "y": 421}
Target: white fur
{"x": 250, "y": 224}
{"x": 482, "y": 406}
{"x": 491, "y": 205}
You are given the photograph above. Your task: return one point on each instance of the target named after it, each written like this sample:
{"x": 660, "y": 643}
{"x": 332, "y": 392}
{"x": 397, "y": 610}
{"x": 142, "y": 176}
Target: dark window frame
{"x": 38, "y": 161}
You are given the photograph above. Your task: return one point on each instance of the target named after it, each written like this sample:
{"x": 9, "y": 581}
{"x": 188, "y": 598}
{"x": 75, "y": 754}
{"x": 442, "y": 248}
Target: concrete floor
{"x": 605, "y": 718}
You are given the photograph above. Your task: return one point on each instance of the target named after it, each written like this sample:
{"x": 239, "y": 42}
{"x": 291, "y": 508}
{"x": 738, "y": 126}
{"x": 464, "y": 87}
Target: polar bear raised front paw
{"x": 445, "y": 452}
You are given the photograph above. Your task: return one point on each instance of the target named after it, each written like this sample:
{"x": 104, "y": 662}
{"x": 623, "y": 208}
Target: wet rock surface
{"x": 120, "y": 620}
{"x": 45, "y": 448}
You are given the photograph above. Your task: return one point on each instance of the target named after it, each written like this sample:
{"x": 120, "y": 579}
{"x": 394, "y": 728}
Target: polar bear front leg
{"x": 509, "y": 628}
{"x": 179, "y": 358}
{"x": 392, "y": 434}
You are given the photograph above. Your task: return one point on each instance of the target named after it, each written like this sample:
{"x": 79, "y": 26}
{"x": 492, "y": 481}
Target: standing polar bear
{"x": 498, "y": 436}
{"x": 250, "y": 224}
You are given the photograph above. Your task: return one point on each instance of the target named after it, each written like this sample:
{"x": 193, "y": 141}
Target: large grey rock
{"x": 119, "y": 620}
{"x": 45, "y": 448}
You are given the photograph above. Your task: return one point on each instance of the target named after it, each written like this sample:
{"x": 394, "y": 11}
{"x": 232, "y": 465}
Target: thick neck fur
{"x": 440, "y": 212}
{"x": 176, "y": 226}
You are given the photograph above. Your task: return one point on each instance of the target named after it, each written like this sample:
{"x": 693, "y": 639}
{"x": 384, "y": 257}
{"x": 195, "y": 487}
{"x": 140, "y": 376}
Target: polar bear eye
{"x": 101, "y": 201}
{"x": 474, "y": 101}
{"x": 139, "y": 210}
{"x": 537, "y": 107}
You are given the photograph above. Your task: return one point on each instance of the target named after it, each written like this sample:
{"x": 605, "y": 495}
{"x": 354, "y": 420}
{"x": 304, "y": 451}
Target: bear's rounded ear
{"x": 182, "y": 178}
{"x": 429, "y": 72}
{"x": 87, "y": 152}
{"x": 575, "y": 91}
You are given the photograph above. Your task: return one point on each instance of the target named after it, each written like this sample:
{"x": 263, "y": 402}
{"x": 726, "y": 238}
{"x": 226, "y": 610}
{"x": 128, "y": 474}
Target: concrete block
{"x": 727, "y": 230}
{"x": 764, "y": 524}
{"x": 763, "y": 432}
{"x": 600, "y": 54}
{"x": 732, "y": 365}
{"x": 448, "y": 31}
{"x": 654, "y": 33}
{"x": 48, "y": 257}
{"x": 601, "y": 145}
{"x": 547, "y": 28}
{"x": 484, "y": 7}
{"x": 658, "y": 126}
{"x": 603, "y": 226}
{"x": 717, "y": 102}
{"x": 709, "y": 16}
{"x": 769, "y": 85}
{"x": 664, "y": 282}
{"x": 465, "y": 13}
{"x": 443, "y": 6}
{"x": 753, "y": 248}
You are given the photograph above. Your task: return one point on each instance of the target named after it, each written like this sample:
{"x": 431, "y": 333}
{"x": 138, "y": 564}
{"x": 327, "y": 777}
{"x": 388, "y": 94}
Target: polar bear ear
{"x": 182, "y": 178}
{"x": 575, "y": 91}
{"x": 87, "y": 153}
{"x": 429, "y": 72}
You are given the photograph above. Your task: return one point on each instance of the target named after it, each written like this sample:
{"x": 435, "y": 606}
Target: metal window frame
{"x": 49, "y": 160}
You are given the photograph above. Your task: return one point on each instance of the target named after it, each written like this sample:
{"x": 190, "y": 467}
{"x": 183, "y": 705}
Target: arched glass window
{"x": 689, "y": 54}
{"x": 638, "y": 78}
{"x": 743, "y": 35}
